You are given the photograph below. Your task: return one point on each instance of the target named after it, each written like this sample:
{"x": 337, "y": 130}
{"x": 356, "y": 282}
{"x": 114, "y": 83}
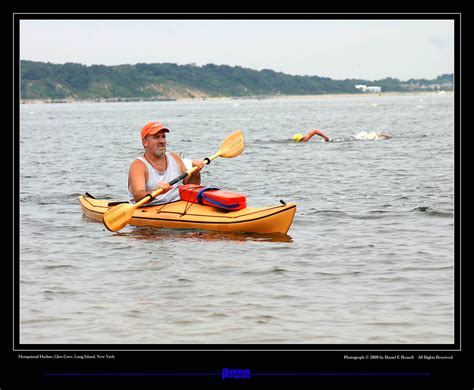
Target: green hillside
{"x": 71, "y": 81}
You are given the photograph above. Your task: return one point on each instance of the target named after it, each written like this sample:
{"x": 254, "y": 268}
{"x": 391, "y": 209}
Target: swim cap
{"x": 298, "y": 137}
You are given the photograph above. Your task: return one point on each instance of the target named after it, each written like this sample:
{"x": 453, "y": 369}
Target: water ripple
{"x": 369, "y": 257}
{"x": 432, "y": 212}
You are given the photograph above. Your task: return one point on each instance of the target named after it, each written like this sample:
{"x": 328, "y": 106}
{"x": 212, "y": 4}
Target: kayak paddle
{"x": 118, "y": 216}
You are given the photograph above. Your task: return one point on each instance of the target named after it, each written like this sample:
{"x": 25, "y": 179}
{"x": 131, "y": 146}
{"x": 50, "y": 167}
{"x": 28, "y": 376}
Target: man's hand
{"x": 164, "y": 185}
{"x": 198, "y": 163}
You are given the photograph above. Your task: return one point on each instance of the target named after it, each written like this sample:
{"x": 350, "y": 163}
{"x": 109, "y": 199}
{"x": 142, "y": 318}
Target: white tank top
{"x": 154, "y": 177}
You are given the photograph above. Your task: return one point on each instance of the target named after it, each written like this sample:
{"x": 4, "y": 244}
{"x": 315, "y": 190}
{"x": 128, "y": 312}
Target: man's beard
{"x": 160, "y": 151}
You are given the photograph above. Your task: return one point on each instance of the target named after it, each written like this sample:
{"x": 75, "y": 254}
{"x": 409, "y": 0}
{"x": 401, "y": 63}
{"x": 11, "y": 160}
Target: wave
{"x": 360, "y": 136}
{"x": 331, "y": 213}
{"x": 428, "y": 211}
{"x": 377, "y": 214}
{"x": 373, "y": 214}
{"x": 371, "y": 136}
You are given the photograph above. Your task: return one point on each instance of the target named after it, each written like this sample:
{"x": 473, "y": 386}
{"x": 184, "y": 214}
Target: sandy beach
{"x": 230, "y": 98}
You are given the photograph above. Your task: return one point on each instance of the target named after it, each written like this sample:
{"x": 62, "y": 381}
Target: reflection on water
{"x": 154, "y": 234}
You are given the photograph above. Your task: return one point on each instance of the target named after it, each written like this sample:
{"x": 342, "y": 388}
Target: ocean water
{"x": 369, "y": 258}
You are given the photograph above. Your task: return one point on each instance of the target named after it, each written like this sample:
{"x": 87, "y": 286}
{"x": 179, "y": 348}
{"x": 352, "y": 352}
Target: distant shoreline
{"x": 228, "y": 98}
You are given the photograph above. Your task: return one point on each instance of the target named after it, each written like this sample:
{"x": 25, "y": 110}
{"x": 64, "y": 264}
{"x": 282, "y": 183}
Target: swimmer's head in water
{"x": 297, "y": 137}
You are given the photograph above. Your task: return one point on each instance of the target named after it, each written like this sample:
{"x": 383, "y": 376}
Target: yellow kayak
{"x": 185, "y": 215}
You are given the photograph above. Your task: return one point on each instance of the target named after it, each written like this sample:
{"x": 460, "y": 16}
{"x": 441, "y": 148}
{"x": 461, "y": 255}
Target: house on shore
{"x": 365, "y": 88}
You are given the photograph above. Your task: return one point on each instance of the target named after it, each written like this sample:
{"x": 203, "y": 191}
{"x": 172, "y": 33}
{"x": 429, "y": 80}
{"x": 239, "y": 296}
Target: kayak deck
{"x": 186, "y": 215}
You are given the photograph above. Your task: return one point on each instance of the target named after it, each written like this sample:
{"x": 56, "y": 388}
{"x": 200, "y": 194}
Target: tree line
{"x": 40, "y": 80}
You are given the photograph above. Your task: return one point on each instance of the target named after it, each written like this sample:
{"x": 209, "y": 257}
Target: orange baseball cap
{"x": 153, "y": 128}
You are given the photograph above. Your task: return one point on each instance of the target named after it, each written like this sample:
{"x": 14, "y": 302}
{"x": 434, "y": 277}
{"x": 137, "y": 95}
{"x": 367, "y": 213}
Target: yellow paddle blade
{"x": 233, "y": 145}
{"x": 118, "y": 216}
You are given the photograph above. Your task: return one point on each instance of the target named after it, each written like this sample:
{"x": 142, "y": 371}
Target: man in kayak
{"x": 300, "y": 137}
{"x": 157, "y": 167}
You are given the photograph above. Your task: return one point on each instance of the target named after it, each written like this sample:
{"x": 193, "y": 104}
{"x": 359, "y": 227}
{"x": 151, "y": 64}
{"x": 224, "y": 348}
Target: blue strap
{"x": 201, "y": 196}
{"x": 200, "y": 193}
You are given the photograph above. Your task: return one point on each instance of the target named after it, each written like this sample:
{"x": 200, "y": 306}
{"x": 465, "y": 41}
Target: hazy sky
{"x": 339, "y": 49}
